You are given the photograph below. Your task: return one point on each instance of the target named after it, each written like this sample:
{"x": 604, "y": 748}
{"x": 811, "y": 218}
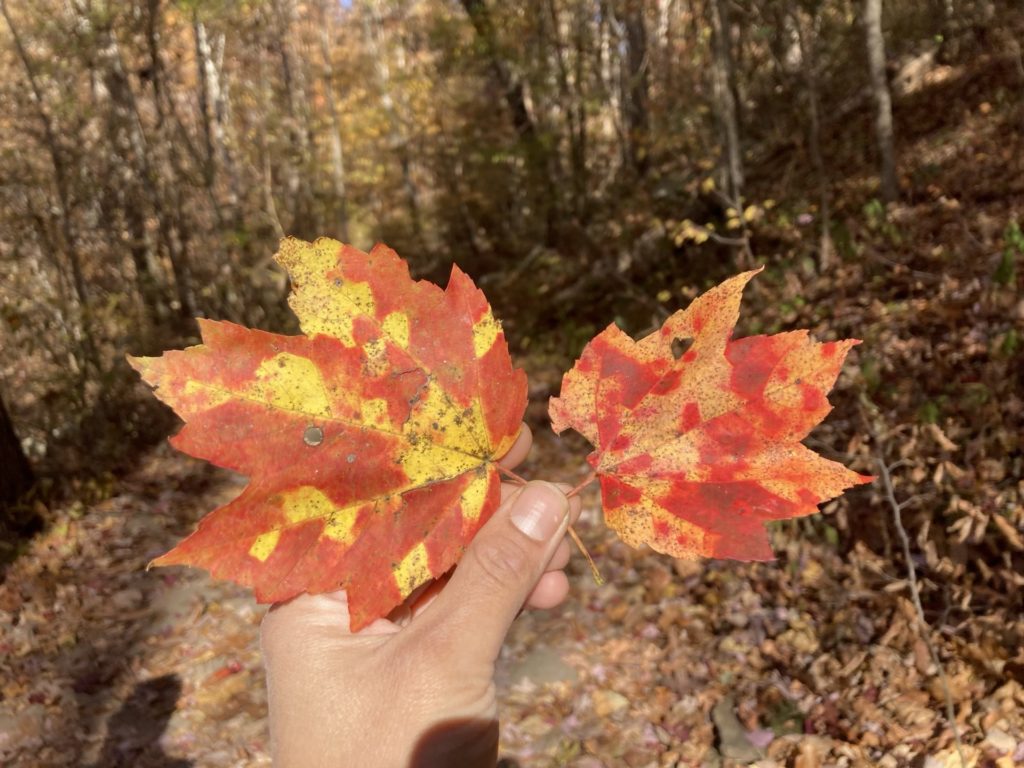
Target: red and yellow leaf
{"x": 695, "y": 454}
{"x": 370, "y": 441}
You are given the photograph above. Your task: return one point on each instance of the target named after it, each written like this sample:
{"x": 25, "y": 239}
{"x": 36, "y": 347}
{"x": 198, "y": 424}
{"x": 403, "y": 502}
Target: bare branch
{"x": 925, "y": 629}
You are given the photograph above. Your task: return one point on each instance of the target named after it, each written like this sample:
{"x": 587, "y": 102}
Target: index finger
{"x": 519, "y": 450}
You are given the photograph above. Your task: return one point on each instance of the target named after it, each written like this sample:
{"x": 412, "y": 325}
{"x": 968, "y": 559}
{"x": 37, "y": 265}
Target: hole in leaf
{"x": 680, "y": 347}
{"x": 313, "y": 435}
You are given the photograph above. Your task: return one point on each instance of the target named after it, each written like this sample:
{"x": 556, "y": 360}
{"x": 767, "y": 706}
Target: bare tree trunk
{"x": 724, "y": 86}
{"x": 665, "y": 35}
{"x": 130, "y": 160}
{"x": 300, "y": 188}
{"x": 808, "y": 40}
{"x": 215, "y": 109}
{"x": 579, "y": 158}
{"x": 266, "y": 168}
{"x": 203, "y": 67}
{"x": 635, "y": 90}
{"x": 466, "y": 225}
{"x": 337, "y": 156}
{"x": 17, "y": 478}
{"x": 609, "y": 31}
{"x": 571, "y": 99}
{"x": 883, "y": 99}
{"x": 399, "y": 139}
{"x": 169, "y": 173}
{"x": 538, "y": 156}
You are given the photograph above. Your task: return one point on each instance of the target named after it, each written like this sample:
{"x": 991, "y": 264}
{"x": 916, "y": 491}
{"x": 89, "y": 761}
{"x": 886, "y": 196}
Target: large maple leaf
{"x": 695, "y": 454}
{"x": 370, "y": 442}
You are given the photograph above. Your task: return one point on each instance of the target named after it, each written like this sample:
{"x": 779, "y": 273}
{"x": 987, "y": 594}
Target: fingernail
{"x": 540, "y": 510}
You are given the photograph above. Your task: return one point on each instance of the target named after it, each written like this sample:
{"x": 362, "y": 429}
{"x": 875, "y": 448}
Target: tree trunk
{"x": 170, "y": 171}
{"x": 538, "y": 157}
{"x": 724, "y": 86}
{"x": 373, "y": 31}
{"x": 609, "y": 33}
{"x": 572, "y": 106}
{"x": 130, "y": 164}
{"x": 808, "y": 40}
{"x": 298, "y": 172}
{"x": 17, "y": 478}
{"x": 882, "y": 97}
{"x": 337, "y": 155}
{"x": 635, "y": 90}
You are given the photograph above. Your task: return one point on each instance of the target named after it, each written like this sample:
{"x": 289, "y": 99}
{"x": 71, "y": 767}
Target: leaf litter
{"x": 817, "y": 663}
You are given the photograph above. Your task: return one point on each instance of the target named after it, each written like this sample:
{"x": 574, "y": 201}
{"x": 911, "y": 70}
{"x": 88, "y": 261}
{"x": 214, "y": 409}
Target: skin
{"x": 417, "y": 689}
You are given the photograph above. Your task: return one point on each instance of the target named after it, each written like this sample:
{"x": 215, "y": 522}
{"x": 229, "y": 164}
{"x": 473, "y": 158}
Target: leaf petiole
{"x": 517, "y": 479}
{"x": 598, "y": 578}
{"x": 586, "y": 481}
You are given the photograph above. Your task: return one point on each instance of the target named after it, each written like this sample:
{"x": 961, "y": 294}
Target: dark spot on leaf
{"x": 337, "y": 281}
{"x": 680, "y": 347}
{"x": 435, "y": 425}
{"x": 313, "y": 435}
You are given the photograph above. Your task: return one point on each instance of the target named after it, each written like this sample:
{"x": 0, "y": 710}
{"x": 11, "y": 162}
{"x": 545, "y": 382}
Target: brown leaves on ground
{"x": 108, "y": 664}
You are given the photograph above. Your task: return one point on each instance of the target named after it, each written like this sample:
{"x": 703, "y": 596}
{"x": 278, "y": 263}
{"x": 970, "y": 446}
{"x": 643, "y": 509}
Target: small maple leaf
{"x": 695, "y": 454}
{"x": 370, "y": 442}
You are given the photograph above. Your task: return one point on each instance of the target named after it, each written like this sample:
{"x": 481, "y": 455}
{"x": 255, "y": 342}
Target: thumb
{"x": 500, "y": 568}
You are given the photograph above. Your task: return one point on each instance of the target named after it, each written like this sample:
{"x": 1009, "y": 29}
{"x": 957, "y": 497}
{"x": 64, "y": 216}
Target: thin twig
{"x": 925, "y": 632}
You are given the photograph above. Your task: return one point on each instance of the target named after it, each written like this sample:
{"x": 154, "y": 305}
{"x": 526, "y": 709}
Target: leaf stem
{"x": 517, "y": 479}
{"x": 586, "y": 481}
{"x": 598, "y": 578}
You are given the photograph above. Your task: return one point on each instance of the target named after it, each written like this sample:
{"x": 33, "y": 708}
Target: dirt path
{"x": 802, "y": 662}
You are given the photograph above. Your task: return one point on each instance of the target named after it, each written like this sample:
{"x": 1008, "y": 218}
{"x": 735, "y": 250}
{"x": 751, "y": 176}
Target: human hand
{"x": 417, "y": 689}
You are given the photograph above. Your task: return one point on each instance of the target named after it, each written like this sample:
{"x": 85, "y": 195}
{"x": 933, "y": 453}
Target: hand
{"x": 416, "y": 689}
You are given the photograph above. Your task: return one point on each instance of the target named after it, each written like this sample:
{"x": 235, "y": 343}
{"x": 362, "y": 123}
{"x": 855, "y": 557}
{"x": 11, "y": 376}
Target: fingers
{"x": 550, "y": 591}
{"x": 553, "y": 586}
{"x": 561, "y": 557}
{"x": 519, "y": 450}
{"x": 500, "y": 569}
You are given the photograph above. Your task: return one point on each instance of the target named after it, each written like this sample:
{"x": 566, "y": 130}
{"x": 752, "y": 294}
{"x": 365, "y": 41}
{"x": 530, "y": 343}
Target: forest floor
{"x": 794, "y": 663}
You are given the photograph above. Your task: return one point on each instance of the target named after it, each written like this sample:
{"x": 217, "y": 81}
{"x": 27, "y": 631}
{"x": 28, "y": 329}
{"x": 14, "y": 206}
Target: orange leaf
{"x": 695, "y": 454}
{"x": 370, "y": 442}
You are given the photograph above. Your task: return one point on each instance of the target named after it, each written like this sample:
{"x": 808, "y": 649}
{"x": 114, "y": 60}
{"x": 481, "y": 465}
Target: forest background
{"x": 586, "y": 161}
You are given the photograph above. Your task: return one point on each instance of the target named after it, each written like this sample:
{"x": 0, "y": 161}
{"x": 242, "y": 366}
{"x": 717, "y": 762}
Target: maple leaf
{"x": 370, "y": 442}
{"x": 695, "y": 454}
